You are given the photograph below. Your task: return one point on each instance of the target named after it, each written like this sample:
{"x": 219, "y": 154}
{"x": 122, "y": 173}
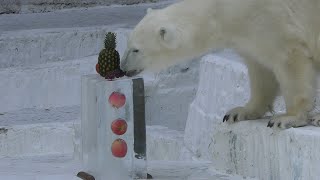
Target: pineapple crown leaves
{"x": 110, "y": 41}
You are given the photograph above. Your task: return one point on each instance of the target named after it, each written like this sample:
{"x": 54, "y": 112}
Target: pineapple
{"x": 109, "y": 58}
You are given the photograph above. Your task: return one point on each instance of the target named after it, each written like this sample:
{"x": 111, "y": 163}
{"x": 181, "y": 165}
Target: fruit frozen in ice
{"x": 97, "y": 68}
{"x": 117, "y": 99}
{"x": 119, "y": 148}
{"x": 119, "y": 126}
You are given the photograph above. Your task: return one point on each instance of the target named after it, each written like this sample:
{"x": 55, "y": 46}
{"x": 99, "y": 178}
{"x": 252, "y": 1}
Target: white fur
{"x": 279, "y": 39}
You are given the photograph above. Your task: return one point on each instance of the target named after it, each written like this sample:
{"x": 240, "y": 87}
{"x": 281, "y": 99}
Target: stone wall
{"x": 35, "y": 6}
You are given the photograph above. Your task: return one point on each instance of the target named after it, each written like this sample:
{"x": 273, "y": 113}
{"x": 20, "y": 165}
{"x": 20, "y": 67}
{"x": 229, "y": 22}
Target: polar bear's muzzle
{"x": 130, "y": 65}
{"x": 128, "y": 70}
{"x": 133, "y": 73}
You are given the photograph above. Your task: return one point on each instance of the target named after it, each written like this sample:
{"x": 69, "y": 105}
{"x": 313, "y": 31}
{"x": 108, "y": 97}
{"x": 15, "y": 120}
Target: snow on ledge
{"x": 247, "y": 148}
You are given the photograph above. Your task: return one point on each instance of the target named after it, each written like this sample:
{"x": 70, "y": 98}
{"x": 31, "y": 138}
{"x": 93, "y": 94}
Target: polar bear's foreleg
{"x": 297, "y": 79}
{"x": 264, "y": 88}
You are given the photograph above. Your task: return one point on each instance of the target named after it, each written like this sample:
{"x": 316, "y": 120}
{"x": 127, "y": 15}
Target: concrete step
{"x": 247, "y": 148}
{"x": 64, "y": 167}
{"x": 79, "y": 17}
{"x": 30, "y": 132}
{"x": 27, "y": 39}
{"x": 49, "y": 167}
{"x": 34, "y": 47}
{"x": 38, "y": 6}
{"x": 44, "y": 86}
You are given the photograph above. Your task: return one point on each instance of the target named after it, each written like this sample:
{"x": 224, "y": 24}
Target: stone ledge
{"x": 29, "y": 138}
{"x": 36, "y": 139}
{"x": 251, "y": 149}
{"x": 247, "y": 148}
{"x": 44, "y": 86}
{"x": 39, "y": 6}
{"x": 164, "y": 144}
{"x": 26, "y": 48}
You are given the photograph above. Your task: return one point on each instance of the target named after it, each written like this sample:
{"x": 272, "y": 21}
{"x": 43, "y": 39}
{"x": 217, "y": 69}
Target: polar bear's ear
{"x": 168, "y": 37}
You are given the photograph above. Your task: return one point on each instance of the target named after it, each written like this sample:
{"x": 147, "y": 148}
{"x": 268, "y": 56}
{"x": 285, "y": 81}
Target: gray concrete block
{"x": 36, "y": 6}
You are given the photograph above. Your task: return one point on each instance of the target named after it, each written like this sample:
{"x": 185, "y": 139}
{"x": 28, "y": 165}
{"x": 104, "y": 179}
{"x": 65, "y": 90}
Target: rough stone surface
{"x": 247, "y": 148}
{"x": 39, "y": 116}
{"x": 165, "y": 144}
{"x": 170, "y": 94}
{"x": 44, "y": 86}
{"x": 73, "y": 18}
{"x": 33, "y": 48}
{"x": 63, "y": 167}
{"x": 37, "y": 6}
{"x": 10, "y": 6}
{"x": 28, "y": 39}
{"x": 36, "y": 139}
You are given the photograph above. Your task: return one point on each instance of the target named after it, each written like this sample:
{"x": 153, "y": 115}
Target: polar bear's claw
{"x": 230, "y": 117}
{"x": 270, "y": 124}
{"x": 286, "y": 122}
{"x": 226, "y": 118}
{"x": 241, "y": 114}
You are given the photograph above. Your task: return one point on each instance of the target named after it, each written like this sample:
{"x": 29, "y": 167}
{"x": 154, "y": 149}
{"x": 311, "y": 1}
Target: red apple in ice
{"x": 119, "y": 126}
{"x": 117, "y": 99}
{"x": 97, "y": 68}
{"x": 119, "y": 148}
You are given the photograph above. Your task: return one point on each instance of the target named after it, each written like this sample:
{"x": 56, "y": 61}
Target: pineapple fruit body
{"x": 109, "y": 59}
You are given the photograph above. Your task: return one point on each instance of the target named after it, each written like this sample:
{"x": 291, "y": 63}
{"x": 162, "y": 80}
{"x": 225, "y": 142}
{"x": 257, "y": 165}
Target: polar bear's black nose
{"x": 130, "y": 73}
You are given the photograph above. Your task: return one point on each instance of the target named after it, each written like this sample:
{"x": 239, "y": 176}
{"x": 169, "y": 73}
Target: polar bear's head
{"x": 155, "y": 43}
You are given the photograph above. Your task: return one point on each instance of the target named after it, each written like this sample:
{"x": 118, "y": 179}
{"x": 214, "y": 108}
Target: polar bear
{"x": 279, "y": 40}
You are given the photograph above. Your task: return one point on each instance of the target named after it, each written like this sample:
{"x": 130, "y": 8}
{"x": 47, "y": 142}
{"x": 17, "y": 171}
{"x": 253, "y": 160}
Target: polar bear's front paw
{"x": 241, "y": 114}
{"x": 285, "y": 122}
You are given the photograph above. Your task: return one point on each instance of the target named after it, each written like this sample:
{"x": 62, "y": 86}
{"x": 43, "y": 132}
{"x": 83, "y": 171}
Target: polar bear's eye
{"x": 135, "y": 50}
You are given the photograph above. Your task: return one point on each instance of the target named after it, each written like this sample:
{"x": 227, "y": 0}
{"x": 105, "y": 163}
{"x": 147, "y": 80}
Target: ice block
{"x": 113, "y": 128}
